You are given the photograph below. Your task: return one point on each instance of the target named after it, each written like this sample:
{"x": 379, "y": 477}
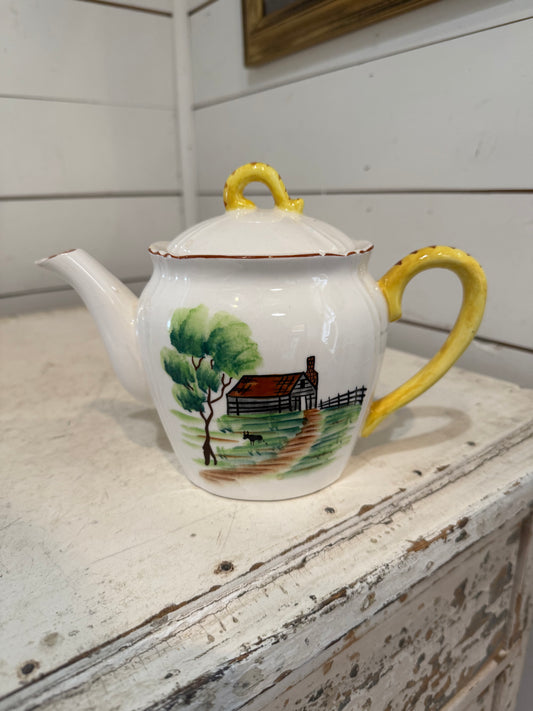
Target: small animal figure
{"x": 252, "y": 437}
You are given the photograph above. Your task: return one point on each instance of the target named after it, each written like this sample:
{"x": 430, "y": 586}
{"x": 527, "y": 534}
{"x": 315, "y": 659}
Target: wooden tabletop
{"x": 116, "y": 571}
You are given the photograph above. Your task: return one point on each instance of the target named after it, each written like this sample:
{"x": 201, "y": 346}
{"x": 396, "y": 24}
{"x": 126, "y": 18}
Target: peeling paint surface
{"x": 425, "y": 652}
{"x": 140, "y": 580}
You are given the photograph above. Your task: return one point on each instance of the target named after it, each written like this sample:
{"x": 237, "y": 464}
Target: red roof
{"x": 265, "y": 385}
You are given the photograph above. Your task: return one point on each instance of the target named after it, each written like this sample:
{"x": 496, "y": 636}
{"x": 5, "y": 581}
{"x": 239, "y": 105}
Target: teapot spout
{"x": 113, "y": 307}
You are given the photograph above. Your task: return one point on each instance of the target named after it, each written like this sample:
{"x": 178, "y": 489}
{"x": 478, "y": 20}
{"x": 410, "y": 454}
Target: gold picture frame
{"x": 304, "y": 23}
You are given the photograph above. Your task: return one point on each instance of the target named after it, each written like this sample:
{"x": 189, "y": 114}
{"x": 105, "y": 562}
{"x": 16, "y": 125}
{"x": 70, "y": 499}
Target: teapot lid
{"x": 246, "y": 231}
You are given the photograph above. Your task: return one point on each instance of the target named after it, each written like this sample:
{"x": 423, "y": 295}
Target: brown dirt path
{"x": 295, "y": 449}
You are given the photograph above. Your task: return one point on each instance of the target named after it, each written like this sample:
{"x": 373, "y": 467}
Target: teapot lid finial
{"x": 262, "y": 173}
{"x": 246, "y": 231}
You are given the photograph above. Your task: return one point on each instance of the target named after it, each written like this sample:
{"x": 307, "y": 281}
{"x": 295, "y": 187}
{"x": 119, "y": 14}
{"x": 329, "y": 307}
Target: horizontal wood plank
{"x": 217, "y": 44}
{"x": 486, "y": 357}
{"x": 84, "y": 51}
{"x": 400, "y": 123}
{"x": 52, "y": 147}
{"x": 497, "y": 229}
{"x": 117, "y": 231}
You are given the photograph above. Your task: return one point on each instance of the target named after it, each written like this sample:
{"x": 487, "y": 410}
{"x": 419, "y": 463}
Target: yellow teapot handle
{"x": 262, "y": 173}
{"x": 393, "y": 283}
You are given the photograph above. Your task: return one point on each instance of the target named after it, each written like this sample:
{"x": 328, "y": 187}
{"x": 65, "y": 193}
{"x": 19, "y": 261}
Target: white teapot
{"x": 259, "y": 338}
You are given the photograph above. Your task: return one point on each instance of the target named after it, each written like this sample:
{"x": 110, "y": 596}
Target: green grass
{"x": 336, "y": 432}
{"x": 262, "y": 423}
{"x": 194, "y": 432}
{"x": 276, "y": 429}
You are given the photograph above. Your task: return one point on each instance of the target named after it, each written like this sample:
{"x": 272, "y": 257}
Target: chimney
{"x": 311, "y": 373}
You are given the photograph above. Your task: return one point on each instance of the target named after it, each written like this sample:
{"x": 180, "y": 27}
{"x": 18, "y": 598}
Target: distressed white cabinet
{"x": 404, "y": 586}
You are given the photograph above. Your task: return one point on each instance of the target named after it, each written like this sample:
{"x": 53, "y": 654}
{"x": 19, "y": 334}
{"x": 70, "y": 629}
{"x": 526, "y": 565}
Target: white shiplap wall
{"x": 413, "y": 131}
{"x": 88, "y": 140}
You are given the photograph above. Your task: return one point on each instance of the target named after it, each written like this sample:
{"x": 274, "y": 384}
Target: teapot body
{"x": 262, "y": 369}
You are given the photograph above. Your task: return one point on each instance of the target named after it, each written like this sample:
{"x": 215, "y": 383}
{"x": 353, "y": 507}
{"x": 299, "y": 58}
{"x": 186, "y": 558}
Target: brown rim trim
{"x": 257, "y": 256}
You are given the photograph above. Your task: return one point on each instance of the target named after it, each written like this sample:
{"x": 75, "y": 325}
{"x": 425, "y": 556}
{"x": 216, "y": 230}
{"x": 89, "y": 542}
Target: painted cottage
{"x": 275, "y": 393}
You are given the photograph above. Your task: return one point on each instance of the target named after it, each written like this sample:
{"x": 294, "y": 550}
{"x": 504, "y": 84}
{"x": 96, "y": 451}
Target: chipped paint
{"x": 250, "y": 679}
{"x": 427, "y": 646}
{"x": 459, "y": 596}
{"x": 369, "y": 600}
{"x": 365, "y": 508}
{"x": 502, "y": 579}
{"x": 422, "y": 543}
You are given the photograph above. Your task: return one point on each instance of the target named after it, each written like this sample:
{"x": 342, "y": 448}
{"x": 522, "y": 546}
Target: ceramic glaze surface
{"x": 263, "y": 370}
{"x": 259, "y": 338}
{"x": 254, "y": 232}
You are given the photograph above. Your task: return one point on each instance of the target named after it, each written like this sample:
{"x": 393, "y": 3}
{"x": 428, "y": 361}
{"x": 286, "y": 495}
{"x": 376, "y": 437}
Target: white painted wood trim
{"x": 184, "y": 111}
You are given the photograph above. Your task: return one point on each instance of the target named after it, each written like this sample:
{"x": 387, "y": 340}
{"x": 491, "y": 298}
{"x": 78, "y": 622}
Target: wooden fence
{"x": 350, "y": 397}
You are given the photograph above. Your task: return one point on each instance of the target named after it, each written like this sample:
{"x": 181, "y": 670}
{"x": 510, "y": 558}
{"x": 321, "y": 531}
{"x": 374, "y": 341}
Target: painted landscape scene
{"x": 275, "y": 425}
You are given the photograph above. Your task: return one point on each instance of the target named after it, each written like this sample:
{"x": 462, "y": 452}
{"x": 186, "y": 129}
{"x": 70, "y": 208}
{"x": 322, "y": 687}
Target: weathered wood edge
{"x": 504, "y": 651}
{"x": 170, "y": 627}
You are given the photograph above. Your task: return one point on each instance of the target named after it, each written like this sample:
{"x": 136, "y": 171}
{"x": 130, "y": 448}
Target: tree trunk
{"x": 207, "y": 449}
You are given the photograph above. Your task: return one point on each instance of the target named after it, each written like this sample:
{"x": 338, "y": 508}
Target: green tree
{"x": 206, "y": 355}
